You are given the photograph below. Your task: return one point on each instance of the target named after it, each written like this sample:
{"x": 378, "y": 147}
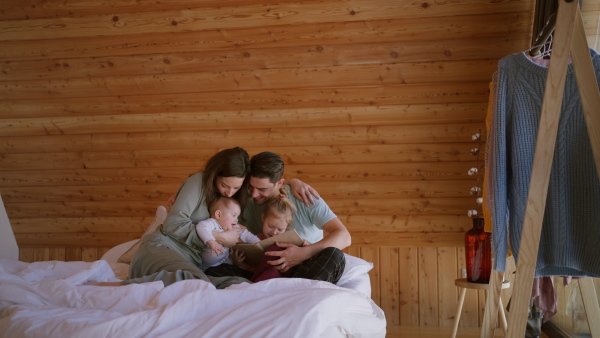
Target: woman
{"x": 172, "y": 253}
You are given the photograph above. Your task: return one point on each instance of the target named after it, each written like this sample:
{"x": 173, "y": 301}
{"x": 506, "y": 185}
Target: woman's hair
{"x": 280, "y": 206}
{"x": 233, "y": 162}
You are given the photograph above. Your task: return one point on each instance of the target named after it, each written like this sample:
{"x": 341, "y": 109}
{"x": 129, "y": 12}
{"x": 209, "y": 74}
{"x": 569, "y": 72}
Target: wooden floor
{"x": 436, "y": 332}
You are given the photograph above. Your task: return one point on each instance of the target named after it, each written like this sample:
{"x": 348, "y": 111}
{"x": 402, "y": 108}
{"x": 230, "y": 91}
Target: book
{"x": 255, "y": 251}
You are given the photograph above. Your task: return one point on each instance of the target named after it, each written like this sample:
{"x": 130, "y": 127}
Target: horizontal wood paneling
{"x": 254, "y": 58}
{"x": 174, "y": 175}
{"x": 29, "y": 9}
{"x": 276, "y": 118}
{"x": 242, "y": 16}
{"x": 359, "y": 75}
{"x": 82, "y": 224}
{"x": 360, "y": 223}
{"x": 590, "y": 14}
{"x": 107, "y": 106}
{"x": 110, "y": 239}
{"x": 366, "y": 206}
{"x": 345, "y": 154}
{"x": 328, "y": 190}
{"x": 326, "y": 34}
{"x": 445, "y": 93}
{"x": 74, "y": 240}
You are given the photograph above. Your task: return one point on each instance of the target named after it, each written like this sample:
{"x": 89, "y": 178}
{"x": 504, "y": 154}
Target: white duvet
{"x": 50, "y": 299}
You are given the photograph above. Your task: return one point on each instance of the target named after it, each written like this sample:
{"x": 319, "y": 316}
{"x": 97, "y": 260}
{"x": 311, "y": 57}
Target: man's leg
{"x": 328, "y": 265}
{"x": 224, "y": 270}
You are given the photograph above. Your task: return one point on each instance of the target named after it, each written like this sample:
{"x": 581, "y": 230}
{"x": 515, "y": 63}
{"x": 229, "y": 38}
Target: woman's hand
{"x": 228, "y": 238}
{"x": 303, "y": 191}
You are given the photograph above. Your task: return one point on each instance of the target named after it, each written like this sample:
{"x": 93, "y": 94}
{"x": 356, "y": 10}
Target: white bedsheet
{"x": 48, "y": 299}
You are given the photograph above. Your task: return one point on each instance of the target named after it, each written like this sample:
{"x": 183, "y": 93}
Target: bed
{"x": 53, "y": 299}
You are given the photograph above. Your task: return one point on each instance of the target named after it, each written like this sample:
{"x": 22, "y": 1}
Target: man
{"x": 321, "y": 260}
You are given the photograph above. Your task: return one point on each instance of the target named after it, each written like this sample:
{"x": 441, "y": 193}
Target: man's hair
{"x": 267, "y": 165}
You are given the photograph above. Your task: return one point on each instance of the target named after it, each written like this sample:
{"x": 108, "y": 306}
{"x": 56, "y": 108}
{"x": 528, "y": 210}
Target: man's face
{"x": 261, "y": 189}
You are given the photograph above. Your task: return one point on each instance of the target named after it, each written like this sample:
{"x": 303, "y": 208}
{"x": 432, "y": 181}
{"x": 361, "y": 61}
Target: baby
{"x": 215, "y": 259}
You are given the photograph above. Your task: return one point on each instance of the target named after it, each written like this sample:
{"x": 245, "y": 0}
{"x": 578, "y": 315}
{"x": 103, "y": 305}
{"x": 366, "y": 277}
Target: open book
{"x": 255, "y": 251}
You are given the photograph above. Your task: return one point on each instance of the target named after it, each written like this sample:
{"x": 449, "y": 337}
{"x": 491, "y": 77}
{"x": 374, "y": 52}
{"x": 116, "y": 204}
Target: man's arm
{"x": 337, "y": 236}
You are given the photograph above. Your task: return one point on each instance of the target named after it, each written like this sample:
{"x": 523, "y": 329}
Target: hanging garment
{"x": 570, "y": 235}
{"x": 487, "y": 173}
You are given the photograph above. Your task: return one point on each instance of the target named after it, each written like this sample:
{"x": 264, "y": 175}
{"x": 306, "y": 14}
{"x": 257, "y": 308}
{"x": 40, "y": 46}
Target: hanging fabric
{"x": 571, "y": 235}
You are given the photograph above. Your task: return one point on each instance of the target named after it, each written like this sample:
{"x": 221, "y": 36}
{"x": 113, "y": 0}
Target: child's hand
{"x": 305, "y": 243}
{"x": 215, "y": 248}
{"x": 237, "y": 257}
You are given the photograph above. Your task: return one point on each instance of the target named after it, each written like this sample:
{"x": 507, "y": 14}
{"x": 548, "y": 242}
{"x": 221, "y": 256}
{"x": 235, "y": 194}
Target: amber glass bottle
{"x": 478, "y": 250}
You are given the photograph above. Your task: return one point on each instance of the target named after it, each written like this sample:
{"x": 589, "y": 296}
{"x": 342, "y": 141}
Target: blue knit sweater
{"x": 570, "y": 239}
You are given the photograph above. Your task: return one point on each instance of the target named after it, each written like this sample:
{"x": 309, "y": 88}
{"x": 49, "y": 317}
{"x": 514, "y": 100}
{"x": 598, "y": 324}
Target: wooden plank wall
{"x": 106, "y": 106}
{"x": 590, "y": 13}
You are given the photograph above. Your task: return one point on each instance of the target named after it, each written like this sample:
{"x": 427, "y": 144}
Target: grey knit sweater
{"x": 570, "y": 239}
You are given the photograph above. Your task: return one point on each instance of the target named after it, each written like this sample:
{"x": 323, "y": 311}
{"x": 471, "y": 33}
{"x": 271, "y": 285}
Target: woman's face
{"x": 273, "y": 225}
{"x": 228, "y": 186}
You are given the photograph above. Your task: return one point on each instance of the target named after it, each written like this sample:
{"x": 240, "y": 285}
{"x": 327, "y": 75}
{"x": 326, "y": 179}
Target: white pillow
{"x": 161, "y": 215}
{"x": 354, "y": 267}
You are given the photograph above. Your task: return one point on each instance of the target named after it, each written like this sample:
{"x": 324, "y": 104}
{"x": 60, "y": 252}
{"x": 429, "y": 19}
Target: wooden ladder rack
{"x": 569, "y": 40}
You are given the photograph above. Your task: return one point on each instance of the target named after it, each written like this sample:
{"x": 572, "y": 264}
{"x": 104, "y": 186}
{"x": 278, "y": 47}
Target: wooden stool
{"x": 463, "y": 285}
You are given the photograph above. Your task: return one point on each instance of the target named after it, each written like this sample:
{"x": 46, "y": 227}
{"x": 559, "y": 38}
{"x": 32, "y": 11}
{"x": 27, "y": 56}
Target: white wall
{"x": 8, "y": 243}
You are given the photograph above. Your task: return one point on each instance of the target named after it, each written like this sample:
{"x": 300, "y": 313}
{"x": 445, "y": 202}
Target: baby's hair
{"x": 280, "y": 206}
{"x": 221, "y": 202}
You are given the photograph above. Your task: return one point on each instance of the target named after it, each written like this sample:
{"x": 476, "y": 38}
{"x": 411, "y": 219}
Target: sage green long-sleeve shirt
{"x": 172, "y": 252}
